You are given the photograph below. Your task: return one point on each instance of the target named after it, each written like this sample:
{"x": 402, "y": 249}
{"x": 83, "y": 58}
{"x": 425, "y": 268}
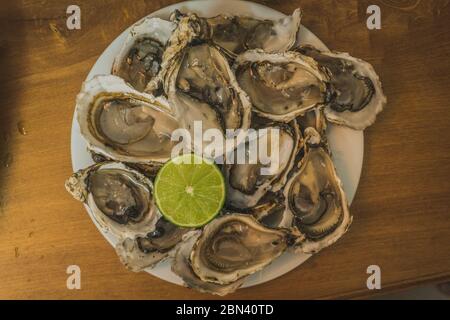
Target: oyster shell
{"x": 150, "y": 170}
{"x": 357, "y": 93}
{"x": 123, "y": 124}
{"x": 146, "y": 251}
{"x": 237, "y": 34}
{"x": 314, "y": 199}
{"x": 246, "y": 183}
{"x": 140, "y": 57}
{"x": 181, "y": 266}
{"x": 120, "y": 199}
{"x": 281, "y": 86}
{"x": 234, "y": 246}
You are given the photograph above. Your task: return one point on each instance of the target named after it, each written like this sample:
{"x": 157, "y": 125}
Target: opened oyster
{"x": 283, "y": 86}
{"x": 120, "y": 199}
{"x": 202, "y": 88}
{"x": 235, "y": 246}
{"x": 140, "y": 58}
{"x": 236, "y": 34}
{"x": 123, "y": 124}
{"x": 314, "y": 199}
{"x": 249, "y": 180}
{"x": 146, "y": 251}
{"x": 181, "y": 266}
{"x": 357, "y": 94}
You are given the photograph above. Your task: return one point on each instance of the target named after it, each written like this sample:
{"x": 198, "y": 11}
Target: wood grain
{"x": 402, "y": 208}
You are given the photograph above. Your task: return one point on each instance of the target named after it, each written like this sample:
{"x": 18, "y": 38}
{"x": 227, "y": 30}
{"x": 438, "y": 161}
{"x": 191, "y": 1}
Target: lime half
{"x": 189, "y": 190}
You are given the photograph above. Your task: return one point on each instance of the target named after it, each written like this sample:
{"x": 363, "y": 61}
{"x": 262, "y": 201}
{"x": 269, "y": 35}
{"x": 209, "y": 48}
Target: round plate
{"x": 346, "y": 145}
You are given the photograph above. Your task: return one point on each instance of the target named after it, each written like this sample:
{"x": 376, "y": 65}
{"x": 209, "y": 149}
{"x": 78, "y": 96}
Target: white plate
{"x": 346, "y": 145}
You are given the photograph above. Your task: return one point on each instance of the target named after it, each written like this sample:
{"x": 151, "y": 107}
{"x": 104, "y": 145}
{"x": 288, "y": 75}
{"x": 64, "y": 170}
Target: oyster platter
{"x": 229, "y": 72}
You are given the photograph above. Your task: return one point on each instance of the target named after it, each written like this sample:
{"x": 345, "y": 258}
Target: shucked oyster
{"x": 189, "y": 29}
{"x": 357, "y": 94}
{"x": 202, "y": 88}
{"x": 119, "y": 199}
{"x": 315, "y": 201}
{"x": 246, "y": 182}
{"x": 123, "y": 124}
{"x": 237, "y": 34}
{"x": 281, "y": 86}
{"x": 235, "y": 246}
{"x": 181, "y": 266}
{"x": 146, "y": 251}
{"x": 140, "y": 58}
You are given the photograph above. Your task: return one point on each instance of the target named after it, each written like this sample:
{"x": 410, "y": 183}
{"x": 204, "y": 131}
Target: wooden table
{"x": 402, "y": 207}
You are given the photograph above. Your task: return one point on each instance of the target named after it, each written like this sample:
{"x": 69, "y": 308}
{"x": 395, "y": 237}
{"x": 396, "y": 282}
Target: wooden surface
{"x": 402, "y": 207}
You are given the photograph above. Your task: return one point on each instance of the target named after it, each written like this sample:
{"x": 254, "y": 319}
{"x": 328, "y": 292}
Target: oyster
{"x": 237, "y": 34}
{"x": 281, "y": 86}
{"x": 189, "y": 29}
{"x": 246, "y": 182}
{"x": 181, "y": 266}
{"x": 315, "y": 201}
{"x": 123, "y": 124}
{"x": 146, "y": 251}
{"x": 119, "y": 199}
{"x": 202, "y": 89}
{"x": 357, "y": 95}
{"x": 139, "y": 59}
{"x": 234, "y": 246}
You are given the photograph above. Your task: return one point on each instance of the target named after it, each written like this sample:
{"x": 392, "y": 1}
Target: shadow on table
{"x": 12, "y": 40}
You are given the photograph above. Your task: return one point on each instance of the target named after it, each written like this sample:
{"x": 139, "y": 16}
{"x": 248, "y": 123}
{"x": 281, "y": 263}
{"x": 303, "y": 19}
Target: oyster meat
{"x": 119, "y": 198}
{"x": 281, "y": 86}
{"x": 314, "y": 199}
{"x": 234, "y": 246}
{"x": 123, "y": 124}
{"x": 139, "y": 59}
{"x": 357, "y": 94}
